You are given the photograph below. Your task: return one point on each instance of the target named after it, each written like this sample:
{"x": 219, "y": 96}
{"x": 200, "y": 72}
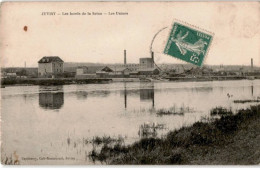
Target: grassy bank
{"x": 229, "y": 139}
{"x": 56, "y": 81}
{"x": 211, "y": 78}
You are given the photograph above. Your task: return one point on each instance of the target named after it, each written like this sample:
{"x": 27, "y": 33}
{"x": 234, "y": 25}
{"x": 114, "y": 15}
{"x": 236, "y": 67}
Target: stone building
{"x": 146, "y": 63}
{"x": 50, "y": 66}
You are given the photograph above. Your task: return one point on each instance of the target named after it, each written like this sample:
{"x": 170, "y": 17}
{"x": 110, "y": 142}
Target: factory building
{"x": 145, "y": 67}
{"x": 145, "y": 63}
{"x": 50, "y": 66}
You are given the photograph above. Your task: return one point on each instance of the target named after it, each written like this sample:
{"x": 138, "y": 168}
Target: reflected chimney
{"x": 124, "y": 57}
{"x": 125, "y": 94}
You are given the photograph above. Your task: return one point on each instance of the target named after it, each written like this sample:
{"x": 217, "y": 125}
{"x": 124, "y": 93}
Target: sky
{"x": 103, "y": 38}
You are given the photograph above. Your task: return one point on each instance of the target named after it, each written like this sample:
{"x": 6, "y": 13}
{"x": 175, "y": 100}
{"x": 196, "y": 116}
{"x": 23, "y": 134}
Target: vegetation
{"x": 222, "y": 141}
{"x": 220, "y": 111}
{"x": 107, "y": 140}
{"x": 170, "y": 111}
{"x": 174, "y": 111}
{"x": 150, "y": 129}
{"x": 247, "y": 101}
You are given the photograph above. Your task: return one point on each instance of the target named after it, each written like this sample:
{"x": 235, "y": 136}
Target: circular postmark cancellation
{"x": 188, "y": 43}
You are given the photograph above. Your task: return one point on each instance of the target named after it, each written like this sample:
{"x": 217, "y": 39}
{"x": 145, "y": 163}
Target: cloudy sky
{"x": 103, "y": 38}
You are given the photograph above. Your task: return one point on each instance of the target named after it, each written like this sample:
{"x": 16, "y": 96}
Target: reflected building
{"x": 147, "y": 92}
{"x": 81, "y": 95}
{"x": 51, "y": 100}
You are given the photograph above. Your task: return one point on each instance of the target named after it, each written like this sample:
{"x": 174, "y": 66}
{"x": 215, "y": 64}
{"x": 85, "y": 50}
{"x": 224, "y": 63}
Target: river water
{"x": 56, "y": 121}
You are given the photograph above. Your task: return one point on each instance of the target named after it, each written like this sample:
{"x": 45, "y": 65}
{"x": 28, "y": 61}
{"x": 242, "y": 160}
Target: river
{"x": 58, "y": 121}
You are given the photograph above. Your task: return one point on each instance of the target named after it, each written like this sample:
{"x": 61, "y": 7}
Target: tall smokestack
{"x": 124, "y": 57}
{"x": 152, "y": 59}
{"x": 252, "y": 63}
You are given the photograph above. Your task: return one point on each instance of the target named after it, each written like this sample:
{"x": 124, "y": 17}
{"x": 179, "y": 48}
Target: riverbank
{"x": 227, "y": 140}
{"x": 67, "y": 81}
{"x": 50, "y": 81}
{"x": 212, "y": 78}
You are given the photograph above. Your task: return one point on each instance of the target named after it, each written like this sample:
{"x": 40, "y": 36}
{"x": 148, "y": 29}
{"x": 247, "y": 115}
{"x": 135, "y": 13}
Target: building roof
{"x": 106, "y": 69}
{"x": 147, "y": 69}
{"x": 50, "y": 59}
{"x": 121, "y": 69}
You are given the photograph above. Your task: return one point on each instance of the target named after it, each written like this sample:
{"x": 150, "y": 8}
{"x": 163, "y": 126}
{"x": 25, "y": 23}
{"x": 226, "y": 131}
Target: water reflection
{"x": 102, "y": 93}
{"x": 81, "y": 95}
{"x": 125, "y": 95}
{"x": 51, "y": 98}
{"x": 98, "y": 110}
{"x": 252, "y": 90}
{"x": 146, "y": 92}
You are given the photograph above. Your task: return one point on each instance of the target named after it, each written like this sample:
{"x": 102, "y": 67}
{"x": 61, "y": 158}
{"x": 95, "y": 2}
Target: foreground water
{"x": 55, "y": 124}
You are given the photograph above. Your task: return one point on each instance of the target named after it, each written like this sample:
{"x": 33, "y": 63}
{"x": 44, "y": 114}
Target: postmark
{"x": 188, "y": 43}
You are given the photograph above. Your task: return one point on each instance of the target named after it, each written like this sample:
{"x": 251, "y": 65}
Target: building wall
{"x": 79, "y": 71}
{"x": 132, "y": 67}
{"x": 126, "y": 72}
{"x": 44, "y": 68}
{"x": 50, "y": 68}
{"x": 146, "y": 63}
{"x": 57, "y": 67}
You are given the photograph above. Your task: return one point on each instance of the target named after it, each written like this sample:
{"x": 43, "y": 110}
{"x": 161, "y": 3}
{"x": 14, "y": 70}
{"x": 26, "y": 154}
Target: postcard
{"x": 130, "y": 83}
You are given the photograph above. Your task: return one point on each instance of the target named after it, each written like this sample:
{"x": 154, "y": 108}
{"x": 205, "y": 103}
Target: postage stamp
{"x": 188, "y": 43}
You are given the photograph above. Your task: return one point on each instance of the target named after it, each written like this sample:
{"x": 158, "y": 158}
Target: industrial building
{"x": 145, "y": 67}
{"x": 145, "y": 63}
{"x": 50, "y": 66}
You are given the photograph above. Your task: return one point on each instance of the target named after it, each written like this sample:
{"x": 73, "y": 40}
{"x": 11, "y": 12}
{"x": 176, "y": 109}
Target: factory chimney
{"x": 124, "y": 57}
{"x": 152, "y": 59}
{"x": 252, "y": 63}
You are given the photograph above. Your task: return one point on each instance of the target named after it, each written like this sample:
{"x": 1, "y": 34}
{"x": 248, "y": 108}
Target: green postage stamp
{"x": 188, "y": 43}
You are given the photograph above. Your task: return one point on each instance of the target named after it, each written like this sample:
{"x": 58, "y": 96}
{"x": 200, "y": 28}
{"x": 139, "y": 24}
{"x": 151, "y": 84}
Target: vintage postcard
{"x": 130, "y": 83}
